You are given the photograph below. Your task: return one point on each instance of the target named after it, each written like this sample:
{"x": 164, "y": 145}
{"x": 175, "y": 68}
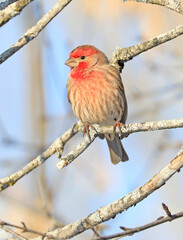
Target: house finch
{"x": 96, "y": 92}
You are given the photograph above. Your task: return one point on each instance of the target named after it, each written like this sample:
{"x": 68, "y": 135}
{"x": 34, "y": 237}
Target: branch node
{"x": 24, "y": 228}
{"x": 166, "y": 210}
{"x": 93, "y": 229}
{"x": 61, "y": 164}
{"x": 125, "y": 228}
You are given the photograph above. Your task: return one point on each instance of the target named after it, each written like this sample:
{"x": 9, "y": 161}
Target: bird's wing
{"x": 116, "y": 76}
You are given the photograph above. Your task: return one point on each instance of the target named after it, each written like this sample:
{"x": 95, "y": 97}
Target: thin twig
{"x": 110, "y": 211}
{"x": 131, "y": 231}
{"x": 93, "y": 229}
{"x": 166, "y": 210}
{"x": 13, "y": 233}
{"x": 24, "y": 228}
{"x": 35, "y": 30}
{"x": 170, "y": 4}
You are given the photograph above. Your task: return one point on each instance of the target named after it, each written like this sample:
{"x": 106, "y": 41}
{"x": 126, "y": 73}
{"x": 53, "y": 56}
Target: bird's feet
{"x": 118, "y": 125}
{"x": 86, "y": 129}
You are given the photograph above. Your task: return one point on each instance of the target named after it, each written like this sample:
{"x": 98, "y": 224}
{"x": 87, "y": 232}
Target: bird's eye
{"x": 82, "y": 57}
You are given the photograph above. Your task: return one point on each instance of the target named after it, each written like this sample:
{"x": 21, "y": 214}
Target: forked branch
{"x": 58, "y": 145}
{"x": 108, "y": 212}
{"x": 130, "y": 231}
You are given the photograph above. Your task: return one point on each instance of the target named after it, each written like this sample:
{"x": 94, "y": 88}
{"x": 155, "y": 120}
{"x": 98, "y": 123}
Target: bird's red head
{"x": 85, "y": 50}
{"x": 85, "y": 56}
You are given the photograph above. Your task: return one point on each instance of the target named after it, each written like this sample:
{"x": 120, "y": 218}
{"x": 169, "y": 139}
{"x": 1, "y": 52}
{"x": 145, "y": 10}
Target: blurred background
{"x": 34, "y": 111}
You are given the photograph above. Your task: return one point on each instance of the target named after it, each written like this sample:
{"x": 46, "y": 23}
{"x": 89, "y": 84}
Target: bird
{"x": 96, "y": 93}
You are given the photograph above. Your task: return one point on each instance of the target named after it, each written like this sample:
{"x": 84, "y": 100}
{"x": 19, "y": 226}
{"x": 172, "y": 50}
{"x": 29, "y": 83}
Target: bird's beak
{"x": 71, "y": 62}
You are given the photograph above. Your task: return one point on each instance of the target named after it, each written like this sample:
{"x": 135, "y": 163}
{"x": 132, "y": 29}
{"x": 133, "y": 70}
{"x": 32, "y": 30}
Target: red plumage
{"x": 96, "y": 93}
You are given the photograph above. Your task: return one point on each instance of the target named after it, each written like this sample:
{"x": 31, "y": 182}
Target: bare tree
{"x": 10, "y": 9}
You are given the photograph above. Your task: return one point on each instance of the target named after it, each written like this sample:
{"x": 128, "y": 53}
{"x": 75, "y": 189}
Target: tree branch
{"x": 35, "y": 30}
{"x": 24, "y": 228}
{"x": 6, "y": 3}
{"x": 13, "y": 233}
{"x": 58, "y": 145}
{"x": 126, "y": 54}
{"x": 12, "y": 10}
{"x": 126, "y": 130}
{"x": 170, "y": 4}
{"x": 65, "y": 161}
{"x": 131, "y": 231}
{"x": 108, "y": 212}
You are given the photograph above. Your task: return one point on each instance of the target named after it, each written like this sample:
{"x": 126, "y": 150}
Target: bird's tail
{"x": 116, "y": 149}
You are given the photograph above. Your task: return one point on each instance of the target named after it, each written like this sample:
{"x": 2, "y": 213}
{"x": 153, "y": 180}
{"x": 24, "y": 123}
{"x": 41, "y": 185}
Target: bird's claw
{"x": 86, "y": 129}
{"x": 124, "y": 136}
{"x": 118, "y": 125}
